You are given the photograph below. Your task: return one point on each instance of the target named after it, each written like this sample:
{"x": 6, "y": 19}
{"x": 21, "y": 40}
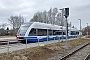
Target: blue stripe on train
{"x": 35, "y": 39}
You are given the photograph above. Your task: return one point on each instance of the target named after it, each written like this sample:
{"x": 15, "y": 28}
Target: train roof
{"x": 47, "y": 26}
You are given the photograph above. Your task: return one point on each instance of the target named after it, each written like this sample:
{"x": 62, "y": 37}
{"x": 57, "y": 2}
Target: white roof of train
{"x": 48, "y": 26}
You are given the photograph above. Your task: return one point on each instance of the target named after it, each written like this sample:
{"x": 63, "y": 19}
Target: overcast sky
{"x": 79, "y": 9}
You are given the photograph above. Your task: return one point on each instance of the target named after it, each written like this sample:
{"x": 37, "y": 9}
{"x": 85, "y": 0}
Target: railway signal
{"x": 66, "y": 16}
{"x": 66, "y": 12}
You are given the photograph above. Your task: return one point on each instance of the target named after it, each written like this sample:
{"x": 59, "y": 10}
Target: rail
{"x": 68, "y": 55}
{"x": 87, "y": 57}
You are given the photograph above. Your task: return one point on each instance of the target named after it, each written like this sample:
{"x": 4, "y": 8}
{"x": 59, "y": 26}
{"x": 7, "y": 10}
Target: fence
{"x": 12, "y": 47}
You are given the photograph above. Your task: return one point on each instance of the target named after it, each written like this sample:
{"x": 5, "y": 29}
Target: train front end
{"x": 22, "y": 31}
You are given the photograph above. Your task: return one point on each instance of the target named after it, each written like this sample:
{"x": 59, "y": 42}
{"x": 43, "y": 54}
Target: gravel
{"x": 80, "y": 55}
{"x": 77, "y": 56}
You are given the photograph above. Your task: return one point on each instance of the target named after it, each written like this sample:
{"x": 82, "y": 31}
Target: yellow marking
{"x": 41, "y": 44}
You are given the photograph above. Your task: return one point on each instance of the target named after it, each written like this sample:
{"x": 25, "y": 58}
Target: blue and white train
{"x": 32, "y": 31}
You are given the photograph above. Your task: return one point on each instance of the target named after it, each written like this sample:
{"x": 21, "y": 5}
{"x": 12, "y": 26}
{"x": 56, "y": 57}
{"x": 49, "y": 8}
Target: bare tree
{"x": 3, "y": 25}
{"x": 44, "y": 16}
{"x": 51, "y": 17}
{"x": 84, "y": 30}
{"x": 55, "y": 11}
{"x": 16, "y": 21}
{"x": 58, "y": 19}
{"x": 35, "y": 18}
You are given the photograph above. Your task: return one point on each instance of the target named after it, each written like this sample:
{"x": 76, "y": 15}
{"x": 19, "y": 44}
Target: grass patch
{"x": 41, "y": 53}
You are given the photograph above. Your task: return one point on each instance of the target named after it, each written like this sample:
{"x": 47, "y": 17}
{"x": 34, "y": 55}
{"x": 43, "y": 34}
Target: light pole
{"x": 87, "y": 29}
{"x": 62, "y": 18}
{"x": 80, "y": 27}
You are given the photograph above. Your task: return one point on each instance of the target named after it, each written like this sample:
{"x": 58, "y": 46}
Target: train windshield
{"x": 23, "y": 29}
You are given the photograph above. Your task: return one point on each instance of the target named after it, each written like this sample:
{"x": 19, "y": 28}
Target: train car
{"x": 32, "y": 31}
{"x": 73, "y": 33}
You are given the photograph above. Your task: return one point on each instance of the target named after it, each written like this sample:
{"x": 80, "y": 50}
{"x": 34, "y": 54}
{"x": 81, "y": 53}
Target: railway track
{"x": 4, "y": 42}
{"x": 78, "y": 54}
{"x": 87, "y": 57}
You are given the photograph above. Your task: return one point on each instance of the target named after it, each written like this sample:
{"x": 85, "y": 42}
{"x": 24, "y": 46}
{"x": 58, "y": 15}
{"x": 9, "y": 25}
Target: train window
{"x": 32, "y": 32}
{"x": 61, "y": 32}
{"x": 73, "y": 33}
{"x": 42, "y": 32}
{"x": 64, "y": 32}
{"x": 58, "y": 32}
{"x": 54, "y": 32}
{"x": 24, "y": 28}
{"x": 77, "y": 33}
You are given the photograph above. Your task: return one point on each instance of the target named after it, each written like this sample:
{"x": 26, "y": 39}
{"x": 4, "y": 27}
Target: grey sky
{"x": 79, "y": 9}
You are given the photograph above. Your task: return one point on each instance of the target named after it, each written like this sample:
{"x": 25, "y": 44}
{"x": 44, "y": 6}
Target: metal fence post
{"x": 18, "y": 42}
{"x": 54, "y": 39}
{"x": 26, "y": 43}
{"x": 58, "y": 39}
{"x": 8, "y": 47}
{"x": 26, "y": 47}
{"x": 38, "y": 41}
{"x": 47, "y": 36}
